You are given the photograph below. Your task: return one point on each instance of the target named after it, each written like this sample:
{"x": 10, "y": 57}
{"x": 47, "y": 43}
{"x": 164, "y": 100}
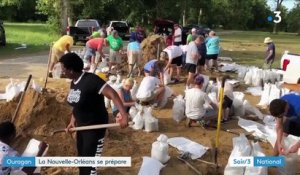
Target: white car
{"x": 290, "y": 64}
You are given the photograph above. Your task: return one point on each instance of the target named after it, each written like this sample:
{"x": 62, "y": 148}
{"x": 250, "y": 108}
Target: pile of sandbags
{"x": 150, "y": 45}
{"x": 143, "y": 118}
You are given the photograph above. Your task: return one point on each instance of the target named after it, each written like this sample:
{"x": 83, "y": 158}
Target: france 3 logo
{"x": 277, "y": 17}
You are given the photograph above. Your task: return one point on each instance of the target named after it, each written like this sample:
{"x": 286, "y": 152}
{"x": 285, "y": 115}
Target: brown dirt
{"x": 42, "y": 113}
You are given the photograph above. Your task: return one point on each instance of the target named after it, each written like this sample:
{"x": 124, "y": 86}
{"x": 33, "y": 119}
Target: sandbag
{"x": 160, "y": 149}
{"x": 134, "y": 90}
{"x": 213, "y": 97}
{"x": 274, "y": 93}
{"x": 248, "y": 77}
{"x": 150, "y": 166}
{"x": 178, "y": 108}
{"x": 241, "y": 147}
{"x": 151, "y": 123}
{"x": 167, "y": 78}
{"x": 257, "y": 77}
{"x": 238, "y": 103}
{"x": 264, "y": 99}
{"x": 132, "y": 112}
{"x": 249, "y": 109}
{"x": 256, "y": 151}
{"x": 241, "y": 70}
{"x": 168, "y": 93}
{"x": 138, "y": 121}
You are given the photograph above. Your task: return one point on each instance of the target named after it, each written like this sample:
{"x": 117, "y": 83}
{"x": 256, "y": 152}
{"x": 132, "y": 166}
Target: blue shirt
{"x": 294, "y": 104}
{"x": 134, "y": 46}
{"x": 126, "y": 98}
{"x": 212, "y": 45}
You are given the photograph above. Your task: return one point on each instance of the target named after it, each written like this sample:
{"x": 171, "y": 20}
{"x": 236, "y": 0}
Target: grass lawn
{"x": 248, "y": 47}
{"x": 37, "y": 37}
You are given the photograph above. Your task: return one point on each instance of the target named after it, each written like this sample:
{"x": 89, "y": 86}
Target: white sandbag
{"x": 36, "y": 87}
{"x": 13, "y": 89}
{"x": 213, "y": 97}
{"x": 150, "y": 166}
{"x": 167, "y": 78}
{"x": 255, "y": 91}
{"x": 249, "y": 109}
{"x": 241, "y": 148}
{"x": 160, "y": 149}
{"x": 168, "y": 93}
{"x": 264, "y": 99}
{"x": 257, "y": 77}
{"x": 248, "y": 77}
{"x": 206, "y": 81}
{"x": 269, "y": 120}
{"x": 241, "y": 70}
{"x": 57, "y": 71}
{"x": 256, "y": 151}
{"x": 134, "y": 90}
{"x": 138, "y": 121}
{"x": 238, "y": 103}
{"x": 107, "y": 102}
{"x": 274, "y": 93}
{"x": 151, "y": 123}
{"x": 178, "y": 108}
{"x": 132, "y": 112}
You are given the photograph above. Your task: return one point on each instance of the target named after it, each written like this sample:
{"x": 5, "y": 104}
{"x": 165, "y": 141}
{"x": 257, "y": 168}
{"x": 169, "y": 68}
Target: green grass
{"x": 248, "y": 47}
{"x": 37, "y": 37}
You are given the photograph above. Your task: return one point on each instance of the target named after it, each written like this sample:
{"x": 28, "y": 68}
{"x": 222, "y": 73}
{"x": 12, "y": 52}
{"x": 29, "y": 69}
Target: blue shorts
{"x": 89, "y": 53}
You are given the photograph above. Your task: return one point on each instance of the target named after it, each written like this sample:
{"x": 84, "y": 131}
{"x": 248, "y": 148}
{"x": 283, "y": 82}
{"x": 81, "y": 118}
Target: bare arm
{"x": 279, "y": 131}
{"x": 126, "y": 104}
{"x": 113, "y": 95}
{"x": 269, "y": 55}
{"x": 68, "y": 49}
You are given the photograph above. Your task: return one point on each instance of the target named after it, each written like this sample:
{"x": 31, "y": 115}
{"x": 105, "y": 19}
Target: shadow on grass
{"x": 10, "y": 51}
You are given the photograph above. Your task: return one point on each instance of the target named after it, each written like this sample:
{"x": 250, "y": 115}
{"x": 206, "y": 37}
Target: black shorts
{"x": 227, "y": 103}
{"x": 291, "y": 126}
{"x": 201, "y": 62}
{"x": 177, "y": 61}
{"x": 212, "y": 57}
{"x": 191, "y": 68}
{"x": 177, "y": 43}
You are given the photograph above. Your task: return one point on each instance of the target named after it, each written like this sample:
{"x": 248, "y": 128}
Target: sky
{"x": 289, "y": 4}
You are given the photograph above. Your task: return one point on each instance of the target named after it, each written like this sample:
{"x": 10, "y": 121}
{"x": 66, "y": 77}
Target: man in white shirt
{"x": 173, "y": 56}
{"x": 177, "y": 37}
{"x": 151, "y": 90}
{"x": 194, "y": 104}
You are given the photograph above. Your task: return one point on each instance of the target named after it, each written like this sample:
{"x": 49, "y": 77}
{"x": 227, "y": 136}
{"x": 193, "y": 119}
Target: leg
{"x": 159, "y": 94}
{"x": 190, "y": 79}
{"x": 178, "y": 72}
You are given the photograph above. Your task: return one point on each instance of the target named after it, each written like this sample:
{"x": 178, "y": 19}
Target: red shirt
{"x": 95, "y": 43}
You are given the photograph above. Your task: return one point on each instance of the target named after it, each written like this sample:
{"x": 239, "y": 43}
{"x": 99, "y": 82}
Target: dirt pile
{"x": 150, "y": 46}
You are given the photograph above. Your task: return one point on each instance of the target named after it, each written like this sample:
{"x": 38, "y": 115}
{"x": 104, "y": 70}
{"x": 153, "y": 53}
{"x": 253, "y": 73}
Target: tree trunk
{"x": 278, "y": 5}
{"x": 65, "y": 13}
{"x": 275, "y": 28}
{"x": 199, "y": 16}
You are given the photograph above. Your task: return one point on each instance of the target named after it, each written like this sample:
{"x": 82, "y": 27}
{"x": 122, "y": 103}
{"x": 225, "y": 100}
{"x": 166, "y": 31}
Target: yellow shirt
{"x": 62, "y": 43}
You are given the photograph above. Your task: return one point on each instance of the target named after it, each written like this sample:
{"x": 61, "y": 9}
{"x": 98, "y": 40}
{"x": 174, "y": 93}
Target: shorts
{"x": 56, "y": 55}
{"x": 227, "y": 103}
{"x": 114, "y": 56}
{"x": 134, "y": 57}
{"x": 151, "y": 97}
{"x": 191, "y": 68}
{"x": 212, "y": 57}
{"x": 177, "y": 43}
{"x": 177, "y": 61}
{"x": 201, "y": 62}
{"x": 89, "y": 53}
{"x": 291, "y": 126}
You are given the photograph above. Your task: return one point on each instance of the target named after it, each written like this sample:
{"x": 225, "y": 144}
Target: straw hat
{"x": 268, "y": 40}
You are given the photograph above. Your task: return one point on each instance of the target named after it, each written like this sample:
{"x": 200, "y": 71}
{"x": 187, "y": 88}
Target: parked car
{"x": 201, "y": 30}
{"x": 166, "y": 28}
{"x": 290, "y": 65}
{"x": 122, "y": 27}
{"x": 83, "y": 29}
{"x": 2, "y": 35}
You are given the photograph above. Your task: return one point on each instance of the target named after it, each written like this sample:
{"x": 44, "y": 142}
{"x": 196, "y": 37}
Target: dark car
{"x": 166, "y": 28}
{"x": 201, "y": 30}
{"x": 2, "y": 35}
{"x": 122, "y": 27}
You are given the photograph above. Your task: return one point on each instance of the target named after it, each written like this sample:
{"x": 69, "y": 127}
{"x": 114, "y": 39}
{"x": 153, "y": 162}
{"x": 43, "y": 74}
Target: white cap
{"x": 194, "y": 29}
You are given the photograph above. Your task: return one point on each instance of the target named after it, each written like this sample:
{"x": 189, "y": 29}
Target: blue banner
{"x": 18, "y": 162}
{"x": 276, "y": 161}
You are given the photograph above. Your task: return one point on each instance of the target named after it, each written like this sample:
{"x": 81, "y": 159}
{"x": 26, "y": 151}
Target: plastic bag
{"x": 134, "y": 90}
{"x": 151, "y": 123}
{"x": 264, "y": 99}
{"x": 57, "y": 71}
{"x": 248, "y": 77}
{"x": 132, "y": 112}
{"x": 160, "y": 149}
{"x": 178, "y": 108}
{"x": 168, "y": 93}
{"x": 242, "y": 72}
{"x": 257, "y": 77}
{"x": 138, "y": 121}
{"x": 274, "y": 93}
{"x": 249, "y": 109}
{"x": 150, "y": 166}
{"x": 36, "y": 87}
{"x": 238, "y": 103}
{"x": 167, "y": 78}
{"x": 256, "y": 151}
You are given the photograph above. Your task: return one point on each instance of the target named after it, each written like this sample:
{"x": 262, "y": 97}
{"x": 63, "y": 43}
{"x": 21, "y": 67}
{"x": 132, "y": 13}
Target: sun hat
{"x": 199, "y": 80}
{"x": 268, "y": 40}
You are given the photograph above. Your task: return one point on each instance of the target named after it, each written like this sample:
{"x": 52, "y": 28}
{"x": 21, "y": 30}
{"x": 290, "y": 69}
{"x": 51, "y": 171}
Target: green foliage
{"x": 293, "y": 20}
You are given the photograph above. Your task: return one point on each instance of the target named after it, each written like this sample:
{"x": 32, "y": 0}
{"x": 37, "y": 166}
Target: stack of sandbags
{"x": 150, "y": 45}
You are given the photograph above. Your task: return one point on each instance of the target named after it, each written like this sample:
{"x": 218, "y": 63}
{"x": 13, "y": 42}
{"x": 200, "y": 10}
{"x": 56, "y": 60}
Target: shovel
{"x": 84, "y": 128}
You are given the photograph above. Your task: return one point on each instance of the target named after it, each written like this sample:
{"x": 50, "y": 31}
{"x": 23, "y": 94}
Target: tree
{"x": 278, "y": 7}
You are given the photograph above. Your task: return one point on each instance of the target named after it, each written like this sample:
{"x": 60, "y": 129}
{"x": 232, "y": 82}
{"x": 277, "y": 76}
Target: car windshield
{"x": 87, "y": 24}
{"x": 119, "y": 24}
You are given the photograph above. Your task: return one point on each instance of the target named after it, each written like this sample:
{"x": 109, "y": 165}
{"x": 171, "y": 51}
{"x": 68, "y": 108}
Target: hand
{"x": 71, "y": 125}
{"x": 294, "y": 148}
{"x": 281, "y": 149}
{"x": 122, "y": 120}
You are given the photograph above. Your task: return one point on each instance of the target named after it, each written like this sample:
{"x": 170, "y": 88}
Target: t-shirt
{"x": 86, "y": 98}
{"x": 152, "y": 65}
{"x": 191, "y": 50}
{"x": 96, "y": 34}
{"x": 294, "y": 104}
{"x": 194, "y": 104}
{"x": 134, "y": 46}
{"x": 147, "y": 86}
{"x": 202, "y": 50}
{"x": 62, "y": 43}
{"x": 178, "y": 32}
{"x": 173, "y": 51}
{"x": 114, "y": 43}
{"x": 95, "y": 43}
{"x": 271, "y": 46}
{"x": 6, "y": 150}
{"x": 189, "y": 38}
{"x": 212, "y": 45}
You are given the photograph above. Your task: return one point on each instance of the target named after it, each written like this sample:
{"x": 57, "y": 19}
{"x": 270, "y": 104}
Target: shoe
{"x": 50, "y": 75}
